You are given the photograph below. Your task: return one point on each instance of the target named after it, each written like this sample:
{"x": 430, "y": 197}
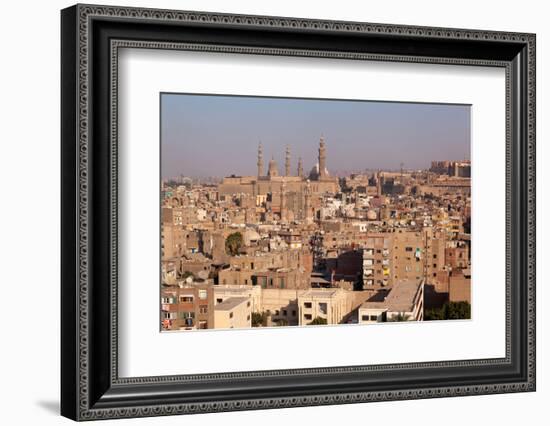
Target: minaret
{"x": 283, "y": 201}
{"x": 287, "y": 161}
{"x": 260, "y": 160}
{"x": 378, "y": 184}
{"x": 322, "y": 159}
{"x": 300, "y": 167}
{"x": 307, "y": 203}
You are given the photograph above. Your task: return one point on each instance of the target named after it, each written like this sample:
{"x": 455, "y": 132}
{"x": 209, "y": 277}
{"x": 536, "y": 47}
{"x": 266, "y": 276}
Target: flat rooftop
{"x": 400, "y": 298}
{"x": 230, "y": 303}
{"x": 402, "y": 295}
{"x": 319, "y": 293}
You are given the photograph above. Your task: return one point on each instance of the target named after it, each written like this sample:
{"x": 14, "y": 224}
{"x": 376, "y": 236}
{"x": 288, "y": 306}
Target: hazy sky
{"x": 203, "y": 135}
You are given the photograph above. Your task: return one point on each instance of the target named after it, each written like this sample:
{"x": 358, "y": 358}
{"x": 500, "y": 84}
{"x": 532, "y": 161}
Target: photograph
{"x": 284, "y": 212}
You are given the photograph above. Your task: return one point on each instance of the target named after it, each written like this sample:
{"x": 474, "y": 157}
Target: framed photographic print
{"x": 263, "y": 212}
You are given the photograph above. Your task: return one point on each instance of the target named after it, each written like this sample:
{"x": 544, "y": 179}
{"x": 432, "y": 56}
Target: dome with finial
{"x": 272, "y": 169}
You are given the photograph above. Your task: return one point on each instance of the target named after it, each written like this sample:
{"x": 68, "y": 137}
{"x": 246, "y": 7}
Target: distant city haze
{"x": 216, "y": 136}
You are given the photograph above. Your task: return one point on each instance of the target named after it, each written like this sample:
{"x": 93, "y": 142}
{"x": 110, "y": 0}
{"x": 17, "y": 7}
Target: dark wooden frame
{"x": 90, "y": 386}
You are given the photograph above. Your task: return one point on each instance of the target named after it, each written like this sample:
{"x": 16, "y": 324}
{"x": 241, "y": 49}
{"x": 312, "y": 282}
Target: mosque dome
{"x": 272, "y": 169}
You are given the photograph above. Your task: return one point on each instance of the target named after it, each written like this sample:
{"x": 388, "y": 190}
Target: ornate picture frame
{"x": 91, "y": 37}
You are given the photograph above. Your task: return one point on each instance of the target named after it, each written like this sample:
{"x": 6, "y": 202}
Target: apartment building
{"x": 187, "y": 306}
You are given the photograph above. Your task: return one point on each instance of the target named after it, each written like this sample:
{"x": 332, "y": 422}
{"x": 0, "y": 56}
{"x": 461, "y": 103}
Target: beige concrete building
{"x": 234, "y": 312}
{"x": 253, "y": 293}
{"x": 281, "y": 305}
{"x": 404, "y": 302}
{"x": 377, "y": 260}
{"x": 460, "y": 286}
{"x": 173, "y": 241}
{"x": 331, "y": 305}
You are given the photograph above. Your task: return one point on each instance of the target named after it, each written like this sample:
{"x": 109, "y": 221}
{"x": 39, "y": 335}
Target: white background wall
{"x": 29, "y": 211}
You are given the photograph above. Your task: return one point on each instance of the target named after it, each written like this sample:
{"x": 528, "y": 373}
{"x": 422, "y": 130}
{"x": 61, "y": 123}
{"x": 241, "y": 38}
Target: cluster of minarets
{"x": 300, "y": 170}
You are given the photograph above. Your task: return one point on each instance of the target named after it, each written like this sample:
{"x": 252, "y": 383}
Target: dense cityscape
{"x": 293, "y": 247}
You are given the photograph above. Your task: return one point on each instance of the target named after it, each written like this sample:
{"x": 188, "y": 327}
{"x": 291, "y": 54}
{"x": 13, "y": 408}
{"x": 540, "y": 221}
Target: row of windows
{"x": 322, "y": 306}
{"x": 203, "y": 294}
{"x": 369, "y": 318}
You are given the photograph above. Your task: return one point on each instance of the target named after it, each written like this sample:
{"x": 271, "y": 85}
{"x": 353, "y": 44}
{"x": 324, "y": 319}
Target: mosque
{"x": 287, "y": 193}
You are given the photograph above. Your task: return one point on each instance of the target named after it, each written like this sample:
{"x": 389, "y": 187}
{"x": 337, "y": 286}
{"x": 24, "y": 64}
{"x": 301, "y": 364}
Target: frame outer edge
{"x": 79, "y": 341}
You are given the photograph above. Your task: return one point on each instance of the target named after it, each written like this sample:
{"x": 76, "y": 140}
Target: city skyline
{"x": 360, "y": 135}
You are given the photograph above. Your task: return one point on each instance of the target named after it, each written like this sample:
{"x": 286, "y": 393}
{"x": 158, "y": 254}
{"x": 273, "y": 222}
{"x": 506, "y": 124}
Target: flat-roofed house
{"x": 234, "y": 312}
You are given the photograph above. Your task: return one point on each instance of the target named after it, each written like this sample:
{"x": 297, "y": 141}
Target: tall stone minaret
{"x": 378, "y": 183}
{"x": 260, "y": 160}
{"x": 322, "y": 159}
{"x": 287, "y": 161}
{"x": 283, "y": 201}
{"x": 307, "y": 203}
{"x": 300, "y": 167}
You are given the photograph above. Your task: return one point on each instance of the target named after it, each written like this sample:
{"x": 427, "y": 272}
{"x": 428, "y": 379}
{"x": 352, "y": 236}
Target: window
{"x": 281, "y": 283}
{"x": 323, "y": 308}
{"x": 248, "y": 304}
{"x": 364, "y": 318}
{"x": 203, "y": 309}
{"x": 219, "y": 300}
{"x": 408, "y": 249}
{"x": 230, "y": 314}
{"x": 186, "y": 314}
{"x": 186, "y": 299}
{"x": 374, "y": 318}
{"x": 293, "y": 313}
{"x": 307, "y": 305}
{"x": 203, "y": 294}
{"x": 284, "y": 312}
{"x": 307, "y": 317}
{"x": 435, "y": 256}
{"x": 248, "y": 317}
